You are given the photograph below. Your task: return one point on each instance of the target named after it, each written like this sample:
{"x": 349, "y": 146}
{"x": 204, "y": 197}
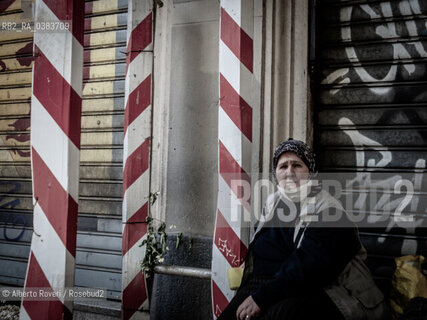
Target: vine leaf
{"x": 178, "y": 240}
{"x": 153, "y": 197}
{"x": 155, "y": 247}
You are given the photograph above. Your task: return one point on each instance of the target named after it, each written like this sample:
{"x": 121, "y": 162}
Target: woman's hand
{"x": 248, "y": 310}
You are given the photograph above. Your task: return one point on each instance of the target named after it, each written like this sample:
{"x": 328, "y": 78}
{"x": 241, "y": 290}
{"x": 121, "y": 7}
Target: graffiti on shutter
{"x": 16, "y": 49}
{"x": 371, "y": 113}
{"x": 98, "y": 257}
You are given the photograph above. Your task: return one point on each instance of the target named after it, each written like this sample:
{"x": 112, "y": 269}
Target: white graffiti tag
{"x": 364, "y": 181}
{"x": 223, "y": 247}
{"x": 386, "y": 31}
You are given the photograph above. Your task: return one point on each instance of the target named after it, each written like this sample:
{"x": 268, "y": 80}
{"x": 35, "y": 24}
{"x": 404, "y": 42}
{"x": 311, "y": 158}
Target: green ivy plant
{"x": 155, "y": 242}
{"x": 155, "y": 247}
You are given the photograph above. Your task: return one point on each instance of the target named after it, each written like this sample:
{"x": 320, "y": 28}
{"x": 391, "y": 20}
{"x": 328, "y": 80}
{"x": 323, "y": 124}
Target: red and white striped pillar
{"x": 235, "y": 145}
{"x": 55, "y": 150}
{"x": 136, "y": 156}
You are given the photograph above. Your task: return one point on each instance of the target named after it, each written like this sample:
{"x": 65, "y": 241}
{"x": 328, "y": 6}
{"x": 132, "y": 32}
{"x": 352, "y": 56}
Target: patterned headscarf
{"x": 298, "y": 147}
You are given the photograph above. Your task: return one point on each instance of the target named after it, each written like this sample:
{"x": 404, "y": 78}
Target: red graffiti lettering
{"x": 21, "y": 124}
{"x": 25, "y": 61}
{"x": 5, "y": 4}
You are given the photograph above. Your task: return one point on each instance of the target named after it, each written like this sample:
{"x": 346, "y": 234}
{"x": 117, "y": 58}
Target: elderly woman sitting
{"x": 312, "y": 269}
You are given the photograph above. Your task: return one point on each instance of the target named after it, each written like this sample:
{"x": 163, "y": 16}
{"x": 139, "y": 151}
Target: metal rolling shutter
{"x": 98, "y": 257}
{"x": 370, "y": 104}
{"x": 16, "y": 50}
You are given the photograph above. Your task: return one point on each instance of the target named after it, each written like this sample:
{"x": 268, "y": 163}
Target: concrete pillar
{"x": 136, "y": 156}
{"x": 235, "y": 134}
{"x": 55, "y": 148}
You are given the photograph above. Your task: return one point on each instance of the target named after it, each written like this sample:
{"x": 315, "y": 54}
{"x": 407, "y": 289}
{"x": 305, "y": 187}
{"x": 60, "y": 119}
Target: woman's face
{"x": 291, "y": 171}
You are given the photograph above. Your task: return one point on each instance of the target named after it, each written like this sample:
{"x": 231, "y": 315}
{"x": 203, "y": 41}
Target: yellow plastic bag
{"x": 409, "y": 281}
{"x": 235, "y": 276}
